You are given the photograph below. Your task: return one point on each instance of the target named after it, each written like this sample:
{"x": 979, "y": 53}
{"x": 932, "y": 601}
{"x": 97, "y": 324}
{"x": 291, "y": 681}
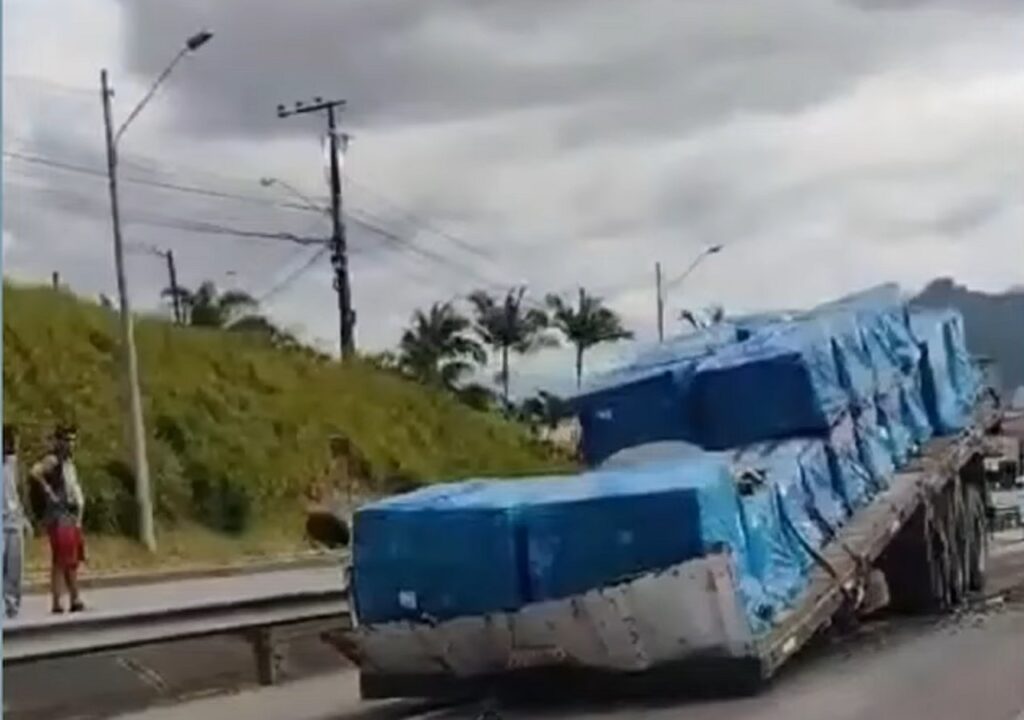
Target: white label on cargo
{"x": 407, "y": 599}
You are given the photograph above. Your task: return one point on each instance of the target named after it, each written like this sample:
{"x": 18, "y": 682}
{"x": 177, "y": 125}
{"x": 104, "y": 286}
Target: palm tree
{"x": 586, "y": 325}
{"x": 506, "y": 326}
{"x": 436, "y": 349}
{"x": 208, "y": 307}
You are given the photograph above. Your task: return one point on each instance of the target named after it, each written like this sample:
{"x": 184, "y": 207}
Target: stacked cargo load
{"x": 726, "y": 459}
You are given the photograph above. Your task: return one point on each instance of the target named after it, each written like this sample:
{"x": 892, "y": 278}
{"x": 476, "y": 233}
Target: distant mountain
{"x": 995, "y": 324}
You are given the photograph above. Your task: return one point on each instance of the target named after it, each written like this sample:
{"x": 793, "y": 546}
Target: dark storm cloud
{"x": 628, "y": 70}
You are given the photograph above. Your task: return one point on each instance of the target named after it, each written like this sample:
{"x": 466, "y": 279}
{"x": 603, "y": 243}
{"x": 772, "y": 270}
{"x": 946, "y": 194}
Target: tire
{"x": 958, "y": 538}
{"x": 977, "y": 532}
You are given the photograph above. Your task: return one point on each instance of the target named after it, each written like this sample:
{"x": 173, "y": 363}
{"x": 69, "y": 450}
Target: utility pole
{"x": 133, "y": 396}
{"x": 136, "y": 430}
{"x": 661, "y": 302}
{"x": 339, "y": 246}
{"x": 172, "y": 275}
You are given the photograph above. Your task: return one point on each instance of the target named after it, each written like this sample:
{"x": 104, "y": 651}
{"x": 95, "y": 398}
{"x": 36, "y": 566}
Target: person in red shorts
{"x": 56, "y": 479}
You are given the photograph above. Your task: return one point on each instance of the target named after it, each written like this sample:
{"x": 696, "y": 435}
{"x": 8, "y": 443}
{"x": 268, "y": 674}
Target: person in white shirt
{"x": 14, "y": 526}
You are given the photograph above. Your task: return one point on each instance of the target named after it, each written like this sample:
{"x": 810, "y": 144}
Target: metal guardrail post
{"x": 270, "y": 656}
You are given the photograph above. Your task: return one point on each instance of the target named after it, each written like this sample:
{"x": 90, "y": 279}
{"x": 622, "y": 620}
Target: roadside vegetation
{"x": 239, "y": 419}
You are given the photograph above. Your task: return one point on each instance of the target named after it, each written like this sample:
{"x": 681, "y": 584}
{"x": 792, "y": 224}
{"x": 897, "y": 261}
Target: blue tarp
{"x": 948, "y": 380}
{"x": 819, "y": 408}
{"x": 488, "y": 546}
{"x": 781, "y": 382}
{"x": 883, "y": 322}
{"x": 858, "y": 473}
{"x": 872, "y": 444}
{"x": 649, "y": 408}
{"x": 800, "y": 470}
{"x": 610, "y": 525}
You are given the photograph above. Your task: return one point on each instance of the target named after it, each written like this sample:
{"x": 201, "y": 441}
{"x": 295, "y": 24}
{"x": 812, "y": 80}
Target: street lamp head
{"x": 267, "y": 181}
{"x": 198, "y": 40}
{"x": 715, "y": 249}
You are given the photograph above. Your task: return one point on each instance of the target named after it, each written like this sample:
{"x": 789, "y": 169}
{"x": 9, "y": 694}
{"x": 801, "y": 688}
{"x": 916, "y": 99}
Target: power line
{"x": 285, "y": 282}
{"x": 71, "y": 167}
{"x": 372, "y": 227}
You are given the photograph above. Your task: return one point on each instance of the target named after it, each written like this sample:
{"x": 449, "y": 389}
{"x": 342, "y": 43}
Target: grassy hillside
{"x": 237, "y": 430}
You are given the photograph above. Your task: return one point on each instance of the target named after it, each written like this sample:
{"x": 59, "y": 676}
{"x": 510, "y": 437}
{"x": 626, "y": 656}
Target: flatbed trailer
{"x": 926, "y": 535}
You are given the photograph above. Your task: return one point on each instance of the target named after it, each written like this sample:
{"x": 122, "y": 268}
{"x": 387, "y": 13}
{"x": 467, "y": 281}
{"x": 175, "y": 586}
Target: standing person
{"x": 56, "y": 476}
{"x": 14, "y": 525}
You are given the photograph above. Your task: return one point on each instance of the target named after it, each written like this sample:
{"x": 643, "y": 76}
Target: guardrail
{"x": 267, "y": 621}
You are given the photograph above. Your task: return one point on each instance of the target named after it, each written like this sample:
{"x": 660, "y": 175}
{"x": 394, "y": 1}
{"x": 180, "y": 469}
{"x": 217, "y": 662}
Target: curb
{"x": 36, "y": 584}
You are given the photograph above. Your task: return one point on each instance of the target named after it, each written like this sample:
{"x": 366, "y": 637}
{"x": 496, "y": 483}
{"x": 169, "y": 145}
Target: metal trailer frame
{"x": 927, "y": 530}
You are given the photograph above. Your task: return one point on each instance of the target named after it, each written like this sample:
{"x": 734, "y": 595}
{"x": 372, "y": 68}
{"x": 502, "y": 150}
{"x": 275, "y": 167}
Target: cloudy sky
{"x": 829, "y": 144}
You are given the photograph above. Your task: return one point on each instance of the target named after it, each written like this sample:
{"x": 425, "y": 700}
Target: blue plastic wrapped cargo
{"x": 436, "y": 553}
{"x": 777, "y": 563}
{"x": 858, "y": 458}
{"x": 872, "y": 461}
{"x": 606, "y": 526}
{"x": 644, "y": 401}
{"x": 883, "y": 318}
{"x": 948, "y": 381}
{"x": 643, "y": 407}
{"x": 801, "y": 471}
{"x": 782, "y": 382}
{"x": 497, "y": 545}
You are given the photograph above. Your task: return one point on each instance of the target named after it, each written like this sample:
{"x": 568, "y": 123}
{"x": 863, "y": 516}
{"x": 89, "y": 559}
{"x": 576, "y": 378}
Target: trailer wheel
{"x": 957, "y": 545}
{"x": 915, "y": 578}
{"x": 977, "y": 534}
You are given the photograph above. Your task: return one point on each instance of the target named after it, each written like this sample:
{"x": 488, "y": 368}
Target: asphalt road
{"x": 968, "y": 667}
{"x": 937, "y": 669}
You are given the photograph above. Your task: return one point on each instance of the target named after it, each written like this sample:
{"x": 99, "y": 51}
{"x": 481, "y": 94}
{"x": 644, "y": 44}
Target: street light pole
{"x": 136, "y": 429}
{"x": 662, "y": 290}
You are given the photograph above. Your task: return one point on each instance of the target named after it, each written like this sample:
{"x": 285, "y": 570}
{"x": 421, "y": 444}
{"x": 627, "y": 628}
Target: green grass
{"x": 237, "y": 430}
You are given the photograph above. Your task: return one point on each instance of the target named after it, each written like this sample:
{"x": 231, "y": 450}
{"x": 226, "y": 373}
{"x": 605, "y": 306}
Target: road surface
{"x": 925, "y": 669}
{"x": 936, "y": 669}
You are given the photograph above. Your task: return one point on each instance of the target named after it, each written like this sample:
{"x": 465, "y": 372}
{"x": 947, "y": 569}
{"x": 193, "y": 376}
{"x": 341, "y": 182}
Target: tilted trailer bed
{"x": 926, "y": 534}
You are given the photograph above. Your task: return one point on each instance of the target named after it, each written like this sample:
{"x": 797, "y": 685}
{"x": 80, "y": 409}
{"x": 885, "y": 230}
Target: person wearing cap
{"x": 14, "y": 526}
{"x": 57, "y": 479}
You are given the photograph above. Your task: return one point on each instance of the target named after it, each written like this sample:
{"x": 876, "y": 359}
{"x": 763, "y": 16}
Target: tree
{"x": 437, "y": 349}
{"x": 260, "y": 326}
{"x": 208, "y": 307}
{"x": 586, "y": 325}
{"x": 507, "y": 327}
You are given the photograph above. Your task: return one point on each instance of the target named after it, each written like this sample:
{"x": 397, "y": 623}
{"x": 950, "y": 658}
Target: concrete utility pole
{"x": 339, "y": 256}
{"x": 661, "y": 302}
{"x": 172, "y": 276}
{"x": 136, "y": 434}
